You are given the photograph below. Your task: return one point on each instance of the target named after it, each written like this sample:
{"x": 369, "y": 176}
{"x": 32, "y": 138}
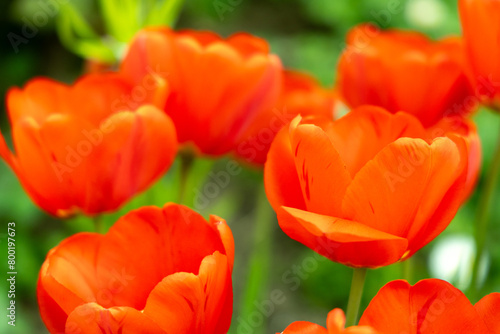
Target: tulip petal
{"x": 99, "y": 95}
{"x": 399, "y": 190}
{"x": 360, "y": 135}
{"x": 240, "y": 86}
{"x": 72, "y": 281}
{"x": 204, "y": 239}
{"x": 304, "y": 327}
{"x": 124, "y": 147}
{"x": 92, "y": 318}
{"x": 323, "y": 177}
{"x": 185, "y": 303}
{"x": 150, "y": 51}
{"x": 349, "y": 74}
{"x": 390, "y": 310}
{"x": 480, "y": 32}
{"x": 468, "y": 130}
{"x": 31, "y": 139}
{"x": 64, "y": 138}
{"x": 226, "y": 237}
{"x": 280, "y": 175}
{"x": 176, "y": 303}
{"x": 489, "y": 310}
{"x": 120, "y": 94}
{"x": 40, "y": 98}
{"x": 430, "y": 306}
{"x": 37, "y": 169}
{"x": 53, "y": 314}
{"x": 449, "y": 87}
{"x": 433, "y": 218}
{"x": 158, "y": 139}
{"x": 218, "y": 299}
{"x": 181, "y": 296}
{"x": 201, "y": 37}
{"x": 248, "y": 45}
{"x": 347, "y": 242}
{"x": 118, "y": 155}
{"x": 359, "y": 330}
{"x": 335, "y": 322}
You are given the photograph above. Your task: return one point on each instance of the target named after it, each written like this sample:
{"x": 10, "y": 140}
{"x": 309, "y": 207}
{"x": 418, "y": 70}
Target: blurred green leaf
{"x": 164, "y": 12}
{"x": 78, "y": 36}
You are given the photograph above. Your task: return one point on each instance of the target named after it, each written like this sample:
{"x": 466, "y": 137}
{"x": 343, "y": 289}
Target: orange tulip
{"x": 430, "y": 306}
{"x": 89, "y": 147}
{"x": 335, "y": 324}
{"x": 366, "y": 190}
{"x": 218, "y": 85}
{"x": 481, "y": 31}
{"x": 405, "y": 71}
{"x": 302, "y": 95}
{"x": 155, "y": 271}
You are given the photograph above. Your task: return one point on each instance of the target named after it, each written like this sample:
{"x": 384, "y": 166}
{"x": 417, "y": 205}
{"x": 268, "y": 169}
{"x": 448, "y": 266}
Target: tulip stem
{"x": 408, "y": 270}
{"x": 99, "y": 224}
{"x": 187, "y": 160}
{"x": 483, "y": 215}
{"x": 259, "y": 266}
{"x": 358, "y": 281}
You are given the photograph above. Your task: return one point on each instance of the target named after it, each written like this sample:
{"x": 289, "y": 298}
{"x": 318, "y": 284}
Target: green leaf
{"x": 79, "y": 37}
{"x": 164, "y": 12}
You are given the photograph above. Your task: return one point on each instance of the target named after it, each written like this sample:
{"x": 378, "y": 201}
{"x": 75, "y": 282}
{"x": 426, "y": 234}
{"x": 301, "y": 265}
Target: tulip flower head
{"x": 217, "y": 85}
{"x": 335, "y": 324}
{"x": 368, "y": 189}
{"x": 91, "y": 146}
{"x": 426, "y": 79}
{"x": 155, "y": 271}
{"x": 430, "y": 306}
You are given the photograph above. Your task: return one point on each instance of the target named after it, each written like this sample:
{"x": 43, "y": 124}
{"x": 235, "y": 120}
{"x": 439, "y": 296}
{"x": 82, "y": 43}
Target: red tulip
{"x": 302, "y": 95}
{"x": 218, "y": 85}
{"x": 405, "y": 71}
{"x": 481, "y": 31}
{"x": 366, "y": 190}
{"x": 335, "y": 324}
{"x": 91, "y": 146}
{"x": 430, "y": 306}
{"x": 155, "y": 271}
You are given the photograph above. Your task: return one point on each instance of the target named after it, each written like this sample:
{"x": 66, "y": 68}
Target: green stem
{"x": 408, "y": 270}
{"x": 483, "y": 215}
{"x": 187, "y": 160}
{"x": 259, "y": 267}
{"x": 358, "y": 281}
{"x": 99, "y": 224}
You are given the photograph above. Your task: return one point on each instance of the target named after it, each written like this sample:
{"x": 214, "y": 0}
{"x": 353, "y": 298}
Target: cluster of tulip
{"x": 365, "y": 190}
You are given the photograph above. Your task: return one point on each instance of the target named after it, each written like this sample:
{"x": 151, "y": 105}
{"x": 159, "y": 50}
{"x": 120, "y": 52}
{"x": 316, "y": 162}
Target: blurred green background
{"x": 307, "y": 35}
